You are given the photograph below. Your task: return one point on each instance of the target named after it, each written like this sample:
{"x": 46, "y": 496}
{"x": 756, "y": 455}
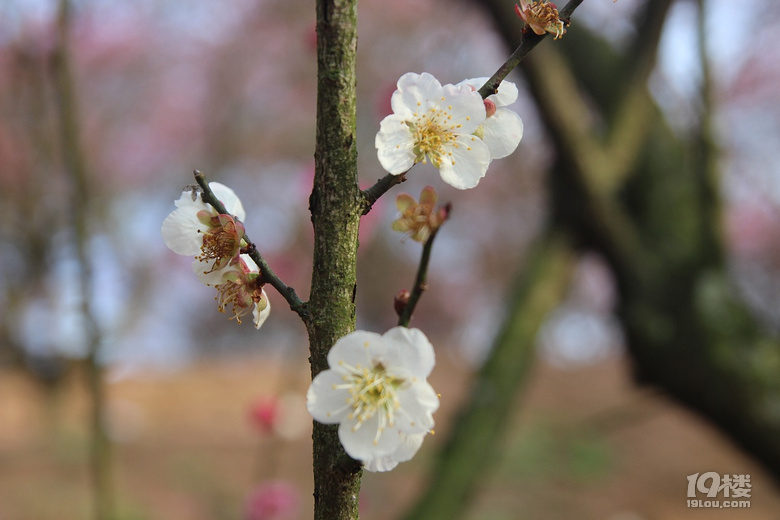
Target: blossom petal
{"x": 362, "y": 443}
{"x": 409, "y": 446}
{"x": 395, "y": 145}
{"x": 411, "y": 349}
{"x": 207, "y": 276}
{"x": 416, "y": 94}
{"x": 403, "y": 201}
{"x": 229, "y": 199}
{"x": 261, "y": 315}
{"x": 506, "y": 95}
{"x": 381, "y": 464}
{"x": 325, "y": 402}
{"x": 428, "y": 196}
{"x": 466, "y": 164}
{"x": 181, "y": 230}
{"x": 418, "y": 402}
{"x": 473, "y": 82}
{"x": 355, "y": 349}
{"x": 249, "y": 263}
{"x": 502, "y": 132}
{"x": 467, "y": 110}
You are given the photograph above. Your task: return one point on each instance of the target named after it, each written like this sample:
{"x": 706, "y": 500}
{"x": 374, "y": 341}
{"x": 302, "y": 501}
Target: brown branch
{"x": 335, "y": 205}
{"x": 528, "y": 41}
{"x": 420, "y": 283}
{"x": 267, "y": 275}
{"x": 382, "y": 186}
{"x": 77, "y": 172}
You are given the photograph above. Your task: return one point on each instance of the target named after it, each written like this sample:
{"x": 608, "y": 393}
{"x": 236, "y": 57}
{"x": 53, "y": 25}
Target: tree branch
{"x": 420, "y": 284}
{"x": 528, "y": 41}
{"x": 382, "y": 186}
{"x": 267, "y": 274}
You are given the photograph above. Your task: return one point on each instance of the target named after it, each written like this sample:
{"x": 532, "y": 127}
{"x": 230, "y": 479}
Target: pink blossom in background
{"x": 752, "y": 228}
{"x": 264, "y": 413}
{"x": 382, "y": 103}
{"x": 273, "y": 500}
{"x": 311, "y": 38}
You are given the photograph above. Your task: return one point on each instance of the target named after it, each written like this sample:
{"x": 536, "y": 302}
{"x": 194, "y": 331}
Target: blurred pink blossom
{"x": 264, "y": 413}
{"x": 273, "y": 500}
{"x": 752, "y": 228}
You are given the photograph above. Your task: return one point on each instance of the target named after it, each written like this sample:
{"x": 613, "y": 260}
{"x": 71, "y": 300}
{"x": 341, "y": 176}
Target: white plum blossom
{"x": 376, "y": 390}
{"x": 239, "y": 286}
{"x": 502, "y": 129}
{"x": 196, "y": 229}
{"x": 215, "y": 240}
{"x": 541, "y": 16}
{"x": 434, "y": 122}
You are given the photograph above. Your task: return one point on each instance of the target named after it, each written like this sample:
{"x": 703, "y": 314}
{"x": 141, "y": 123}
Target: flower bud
{"x": 401, "y": 300}
{"x": 490, "y": 107}
{"x": 541, "y": 17}
{"x": 419, "y": 219}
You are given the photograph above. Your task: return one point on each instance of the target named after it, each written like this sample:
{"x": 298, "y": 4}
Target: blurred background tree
{"x": 645, "y": 197}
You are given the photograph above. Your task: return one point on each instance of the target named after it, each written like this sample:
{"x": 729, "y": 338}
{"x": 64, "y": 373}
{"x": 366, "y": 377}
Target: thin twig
{"x": 420, "y": 283}
{"x": 267, "y": 274}
{"x": 528, "y": 41}
{"x": 381, "y": 187}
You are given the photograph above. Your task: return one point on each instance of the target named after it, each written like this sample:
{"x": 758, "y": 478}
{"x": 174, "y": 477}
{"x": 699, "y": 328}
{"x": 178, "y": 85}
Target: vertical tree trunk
{"x": 77, "y": 172}
{"x": 335, "y": 211}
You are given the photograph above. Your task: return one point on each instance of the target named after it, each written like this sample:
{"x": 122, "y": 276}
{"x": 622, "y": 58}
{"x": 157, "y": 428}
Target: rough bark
{"x": 624, "y": 185}
{"x": 653, "y": 214}
{"x": 336, "y": 206}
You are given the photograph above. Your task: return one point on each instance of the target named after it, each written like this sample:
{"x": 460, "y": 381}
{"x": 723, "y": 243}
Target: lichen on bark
{"x": 336, "y": 205}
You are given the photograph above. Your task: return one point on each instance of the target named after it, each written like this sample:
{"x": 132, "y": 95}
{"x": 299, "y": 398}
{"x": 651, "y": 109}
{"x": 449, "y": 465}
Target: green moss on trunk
{"x": 335, "y": 212}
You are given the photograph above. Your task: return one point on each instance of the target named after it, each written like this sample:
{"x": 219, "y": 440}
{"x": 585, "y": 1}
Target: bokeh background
{"x": 206, "y": 417}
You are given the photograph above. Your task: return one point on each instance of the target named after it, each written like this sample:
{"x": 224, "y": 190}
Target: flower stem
{"x": 528, "y": 41}
{"x": 381, "y": 187}
{"x": 266, "y": 273}
{"x": 420, "y": 283}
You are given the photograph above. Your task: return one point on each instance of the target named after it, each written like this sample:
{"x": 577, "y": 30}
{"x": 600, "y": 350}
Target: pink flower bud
{"x": 264, "y": 413}
{"x": 490, "y": 107}
{"x": 276, "y": 500}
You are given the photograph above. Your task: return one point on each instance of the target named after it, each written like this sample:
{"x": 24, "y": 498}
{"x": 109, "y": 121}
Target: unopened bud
{"x": 401, "y": 300}
{"x": 490, "y": 107}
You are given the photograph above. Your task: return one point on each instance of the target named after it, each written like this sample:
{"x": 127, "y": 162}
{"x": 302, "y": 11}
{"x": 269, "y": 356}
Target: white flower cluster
{"x": 450, "y": 126}
{"x": 376, "y": 390}
{"x": 195, "y": 229}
